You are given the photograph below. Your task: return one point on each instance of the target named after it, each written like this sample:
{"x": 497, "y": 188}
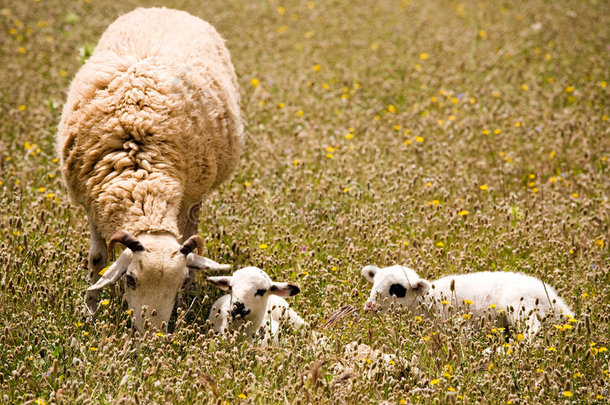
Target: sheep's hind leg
{"x": 98, "y": 257}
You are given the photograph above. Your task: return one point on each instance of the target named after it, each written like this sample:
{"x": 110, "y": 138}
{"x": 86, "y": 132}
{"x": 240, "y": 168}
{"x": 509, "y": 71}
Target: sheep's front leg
{"x": 98, "y": 257}
{"x": 190, "y": 229}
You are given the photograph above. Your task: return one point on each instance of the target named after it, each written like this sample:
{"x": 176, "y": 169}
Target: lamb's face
{"x": 153, "y": 279}
{"x": 396, "y": 282}
{"x": 250, "y": 289}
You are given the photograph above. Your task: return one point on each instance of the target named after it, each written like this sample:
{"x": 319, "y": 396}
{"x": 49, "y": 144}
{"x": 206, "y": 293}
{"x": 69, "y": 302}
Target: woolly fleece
{"x": 151, "y": 123}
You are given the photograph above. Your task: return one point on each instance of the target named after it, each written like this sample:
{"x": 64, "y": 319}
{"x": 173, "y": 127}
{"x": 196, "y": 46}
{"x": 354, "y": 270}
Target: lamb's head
{"x": 250, "y": 289}
{"x": 395, "y": 282}
{"x": 154, "y": 267}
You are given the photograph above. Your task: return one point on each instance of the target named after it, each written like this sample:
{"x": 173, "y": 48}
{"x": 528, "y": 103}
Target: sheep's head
{"x": 250, "y": 289}
{"x": 395, "y": 282}
{"x": 154, "y": 268}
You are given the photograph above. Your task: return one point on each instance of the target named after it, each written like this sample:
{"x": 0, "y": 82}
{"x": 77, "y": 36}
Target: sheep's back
{"x": 157, "y": 102}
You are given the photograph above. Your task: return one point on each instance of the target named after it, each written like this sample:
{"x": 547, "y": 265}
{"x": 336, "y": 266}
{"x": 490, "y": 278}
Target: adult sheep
{"x": 151, "y": 124}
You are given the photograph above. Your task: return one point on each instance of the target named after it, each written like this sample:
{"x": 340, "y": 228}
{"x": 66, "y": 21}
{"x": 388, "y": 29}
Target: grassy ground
{"x": 448, "y": 137}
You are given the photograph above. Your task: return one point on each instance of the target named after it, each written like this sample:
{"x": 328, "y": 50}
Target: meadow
{"x": 447, "y": 136}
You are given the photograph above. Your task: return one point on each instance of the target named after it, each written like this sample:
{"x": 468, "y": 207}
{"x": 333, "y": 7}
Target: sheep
{"x": 513, "y": 297}
{"x": 151, "y": 125}
{"x": 256, "y": 299}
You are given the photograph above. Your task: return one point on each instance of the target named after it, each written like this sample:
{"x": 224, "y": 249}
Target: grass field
{"x": 450, "y": 137}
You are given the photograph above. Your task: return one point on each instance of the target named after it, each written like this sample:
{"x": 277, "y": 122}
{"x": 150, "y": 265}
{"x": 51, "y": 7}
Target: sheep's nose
{"x": 239, "y": 309}
{"x": 368, "y": 305}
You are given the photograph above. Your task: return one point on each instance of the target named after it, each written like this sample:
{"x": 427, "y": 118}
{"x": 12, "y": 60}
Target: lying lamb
{"x": 513, "y": 296}
{"x": 256, "y": 299}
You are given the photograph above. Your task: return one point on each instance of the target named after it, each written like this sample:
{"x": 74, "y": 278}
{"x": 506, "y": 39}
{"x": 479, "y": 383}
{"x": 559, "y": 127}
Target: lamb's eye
{"x": 260, "y": 291}
{"x": 130, "y": 281}
{"x": 398, "y": 290}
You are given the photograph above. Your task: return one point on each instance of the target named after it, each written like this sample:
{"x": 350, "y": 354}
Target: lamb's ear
{"x": 284, "y": 289}
{"x": 116, "y": 271}
{"x": 222, "y": 282}
{"x": 421, "y": 286}
{"x": 369, "y": 272}
{"x": 194, "y": 261}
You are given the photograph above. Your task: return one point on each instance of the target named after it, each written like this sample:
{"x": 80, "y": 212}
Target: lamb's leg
{"x": 98, "y": 257}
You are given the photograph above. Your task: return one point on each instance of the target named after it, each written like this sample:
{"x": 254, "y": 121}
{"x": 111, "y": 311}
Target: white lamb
{"x": 514, "y": 297}
{"x": 151, "y": 124}
{"x": 256, "y": 299}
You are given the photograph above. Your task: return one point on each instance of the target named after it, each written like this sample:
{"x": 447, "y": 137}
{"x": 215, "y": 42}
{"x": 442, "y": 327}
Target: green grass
{"x": 497, "y": 109}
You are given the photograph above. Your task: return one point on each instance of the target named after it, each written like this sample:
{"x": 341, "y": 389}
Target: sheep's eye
{"x": 130, "y": 281}
{"x": 260, "y": 291}
{"x": 398, "y": 290}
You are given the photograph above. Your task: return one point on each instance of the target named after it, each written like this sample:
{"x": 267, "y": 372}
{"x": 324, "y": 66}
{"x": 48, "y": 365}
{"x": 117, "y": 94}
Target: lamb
{"x": 256, "y": 299}
{"x": 151, "y": 124}
{"x": 514, "y": 297}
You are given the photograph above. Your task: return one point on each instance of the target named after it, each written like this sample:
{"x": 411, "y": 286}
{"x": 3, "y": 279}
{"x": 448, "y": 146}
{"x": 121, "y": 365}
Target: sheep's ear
{"x": 284, "y": 289}
{"x": 421, "y": 286}
{"x": 222, "y": 282}
{"x": 369, "y": 272}
{"x": 116, "y": 271}
{"x": 197, "y": 262}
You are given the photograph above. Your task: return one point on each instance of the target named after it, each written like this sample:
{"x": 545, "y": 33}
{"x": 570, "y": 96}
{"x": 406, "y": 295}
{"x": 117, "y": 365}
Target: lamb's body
{"x": 497, "y": 291}
{"x": 515, "y": 297}
{"x": 279, "y": 307}
{"x": 151, "y": 124}
{"x": 256, "y": 299}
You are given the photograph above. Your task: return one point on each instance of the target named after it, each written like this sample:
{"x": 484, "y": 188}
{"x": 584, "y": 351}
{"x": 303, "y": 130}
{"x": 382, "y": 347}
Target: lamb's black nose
{"x": 239, "y": 309}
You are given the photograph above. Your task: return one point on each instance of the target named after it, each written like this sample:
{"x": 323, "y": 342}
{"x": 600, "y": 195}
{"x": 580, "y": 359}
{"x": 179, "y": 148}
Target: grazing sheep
{"x": 256, "y": 299}
{"x": 151, "y": 124}
{"x": 513, "y": 296}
